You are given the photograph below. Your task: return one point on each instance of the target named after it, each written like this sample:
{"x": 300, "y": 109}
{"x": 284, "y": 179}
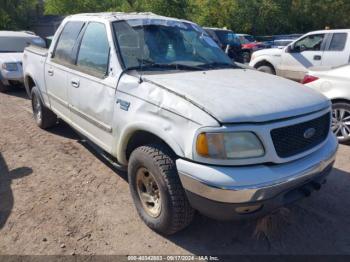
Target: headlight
{"x": 10, "y": 66}
{"x": 235, "y": 145}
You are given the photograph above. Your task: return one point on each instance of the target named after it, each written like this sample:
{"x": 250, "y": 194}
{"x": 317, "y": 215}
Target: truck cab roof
{"x": 115, "y": 16}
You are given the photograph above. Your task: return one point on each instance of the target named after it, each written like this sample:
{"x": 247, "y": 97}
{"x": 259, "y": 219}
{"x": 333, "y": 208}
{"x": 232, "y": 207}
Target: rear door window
{"x": 93, "y": 56}
{"x": 63, "y": 53}
{"x": 338, "y": 42}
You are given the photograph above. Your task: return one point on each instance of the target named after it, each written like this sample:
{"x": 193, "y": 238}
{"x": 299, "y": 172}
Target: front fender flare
{"x": 128, "y": 132}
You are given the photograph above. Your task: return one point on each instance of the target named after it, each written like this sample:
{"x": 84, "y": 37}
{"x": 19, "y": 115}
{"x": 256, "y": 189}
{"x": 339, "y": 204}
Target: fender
{"x": 129, "y": 130}
{"x": 26, "y": 84}
{"x": 46, "y": 101}
{"x": 263, "y": 58}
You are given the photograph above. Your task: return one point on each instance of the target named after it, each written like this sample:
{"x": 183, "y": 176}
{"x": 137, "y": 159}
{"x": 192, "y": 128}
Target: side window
{"x": 309, "y": 43}
{"x": 66, "y": 42}
{"x": 93, "y": 55}
{"x": 338, "y": 42}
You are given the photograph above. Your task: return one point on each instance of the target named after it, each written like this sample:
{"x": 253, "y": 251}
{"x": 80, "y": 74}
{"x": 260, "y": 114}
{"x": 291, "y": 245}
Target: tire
{"x": 3, "y": 88}
{"x": 246, "y": 57}
{"x": 341, "y": 121}
{"x": 174, "y": 212}
{"x": 266, "y": 69}
{"x": 43, "y": 116}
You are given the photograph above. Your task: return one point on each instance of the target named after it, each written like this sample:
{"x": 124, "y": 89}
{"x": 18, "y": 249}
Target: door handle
{"x": 75, "y": 83}
{"x": 50, "y": 72}
{"x": 317, "y": 57}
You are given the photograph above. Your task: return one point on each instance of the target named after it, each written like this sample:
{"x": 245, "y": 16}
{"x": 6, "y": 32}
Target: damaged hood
{"x": 11, "y": 57}
{"x": 241, "y": 95}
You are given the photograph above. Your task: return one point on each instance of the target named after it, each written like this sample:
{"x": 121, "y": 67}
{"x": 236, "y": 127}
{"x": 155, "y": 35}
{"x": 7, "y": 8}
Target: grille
{"x": 290, "y": 140}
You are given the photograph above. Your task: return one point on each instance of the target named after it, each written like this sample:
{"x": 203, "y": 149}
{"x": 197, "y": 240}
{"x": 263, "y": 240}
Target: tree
{"x": 18, "y": 14}
{"x": 260, "y": 17}
{"x": 177, "y": 8}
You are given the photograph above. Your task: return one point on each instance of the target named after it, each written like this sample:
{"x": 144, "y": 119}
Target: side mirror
{"x": 289, "y": 49}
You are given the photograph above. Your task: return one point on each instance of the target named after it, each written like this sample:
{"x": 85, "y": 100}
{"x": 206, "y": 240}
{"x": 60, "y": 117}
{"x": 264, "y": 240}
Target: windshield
{"x": 227, "y": 38}
{"x": 147, "y": 44}
{"x": 17, "y": 44}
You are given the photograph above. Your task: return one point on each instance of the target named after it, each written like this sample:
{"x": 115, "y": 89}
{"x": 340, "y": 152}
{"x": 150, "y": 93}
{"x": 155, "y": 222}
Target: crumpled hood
{"x": 11, "y": 57}
{"x": 241, "y": 95}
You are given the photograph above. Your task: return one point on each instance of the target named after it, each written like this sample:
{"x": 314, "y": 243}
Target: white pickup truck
{"x": 195, "y": 131}
{"x": 318, "y": 49}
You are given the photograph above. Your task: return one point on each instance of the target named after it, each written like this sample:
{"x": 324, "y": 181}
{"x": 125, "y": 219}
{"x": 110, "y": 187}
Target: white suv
{"x": 12, "y": 45}
{"x": 327, "y": 48}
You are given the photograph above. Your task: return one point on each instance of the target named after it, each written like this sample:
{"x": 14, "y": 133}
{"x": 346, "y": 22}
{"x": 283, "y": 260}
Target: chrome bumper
{"x": 254, "y": 183}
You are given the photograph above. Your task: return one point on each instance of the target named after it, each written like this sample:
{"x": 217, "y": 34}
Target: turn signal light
{"x": 202, "y": 145}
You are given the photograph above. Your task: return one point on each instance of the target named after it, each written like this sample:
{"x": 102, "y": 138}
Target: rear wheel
{"x": 43, "y": 116}
{"x": 266, "y": 69}
{"x": 157, "y": 191}
{"x": 341, "y": 121}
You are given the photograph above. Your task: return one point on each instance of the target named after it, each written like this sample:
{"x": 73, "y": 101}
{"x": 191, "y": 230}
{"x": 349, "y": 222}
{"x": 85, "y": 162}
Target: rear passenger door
{"x": 337, "y": 50}
{"x": 56, "y": 68}
{"x": 91, "y": 89}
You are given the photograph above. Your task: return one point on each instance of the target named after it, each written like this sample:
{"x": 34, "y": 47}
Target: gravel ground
{"x": 58, "y": 197}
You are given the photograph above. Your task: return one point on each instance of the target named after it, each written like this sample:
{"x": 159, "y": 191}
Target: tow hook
{"x": 317, "y": 186}
{"x": 305, "y": 191}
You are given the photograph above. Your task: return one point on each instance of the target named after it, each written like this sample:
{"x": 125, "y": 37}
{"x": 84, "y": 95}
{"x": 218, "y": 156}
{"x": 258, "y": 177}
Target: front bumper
{"x": 215, "y": 186}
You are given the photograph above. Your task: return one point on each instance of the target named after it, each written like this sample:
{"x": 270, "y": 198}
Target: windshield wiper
{"x": 218, "y": 65}
{"x": 148, "y": 64}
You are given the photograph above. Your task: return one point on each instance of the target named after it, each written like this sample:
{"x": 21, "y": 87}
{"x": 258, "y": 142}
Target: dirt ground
{"x": 58, "y": 197}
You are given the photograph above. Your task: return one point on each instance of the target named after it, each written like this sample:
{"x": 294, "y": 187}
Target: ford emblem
{"x": 310, "y": 132}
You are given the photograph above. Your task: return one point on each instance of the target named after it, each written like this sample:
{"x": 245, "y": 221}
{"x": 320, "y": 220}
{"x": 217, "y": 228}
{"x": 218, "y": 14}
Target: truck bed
{"x": 37, "y": 50}
{"x": 34, "y": 60}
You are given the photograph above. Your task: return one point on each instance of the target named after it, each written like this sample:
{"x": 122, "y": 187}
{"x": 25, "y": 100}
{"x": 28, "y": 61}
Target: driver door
{"x": 303, "y": 54}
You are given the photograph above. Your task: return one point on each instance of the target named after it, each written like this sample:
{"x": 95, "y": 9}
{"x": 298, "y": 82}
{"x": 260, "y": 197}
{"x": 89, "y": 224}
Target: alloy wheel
{"x": 341, "y": 123}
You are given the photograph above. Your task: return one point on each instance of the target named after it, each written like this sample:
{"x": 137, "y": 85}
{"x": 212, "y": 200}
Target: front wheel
{"x": 157, "y": 191}
{"x": 266, "y": 69}
{"x": 341, "y": 121}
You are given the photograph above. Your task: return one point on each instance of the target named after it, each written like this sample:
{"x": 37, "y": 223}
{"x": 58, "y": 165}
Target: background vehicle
{"x": 12, "y": 45}
{"x": 228, "y": 41}
{"x": 335, "y": 84}
{"x": 325, "y": 48}
{"x": 159, "y": 98}
{"x": 281, "y": 43}
{"x": 249, "y": 45}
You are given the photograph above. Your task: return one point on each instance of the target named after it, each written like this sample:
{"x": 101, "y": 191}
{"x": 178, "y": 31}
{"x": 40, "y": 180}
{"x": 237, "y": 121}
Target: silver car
{"x": 335, "y": 84}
